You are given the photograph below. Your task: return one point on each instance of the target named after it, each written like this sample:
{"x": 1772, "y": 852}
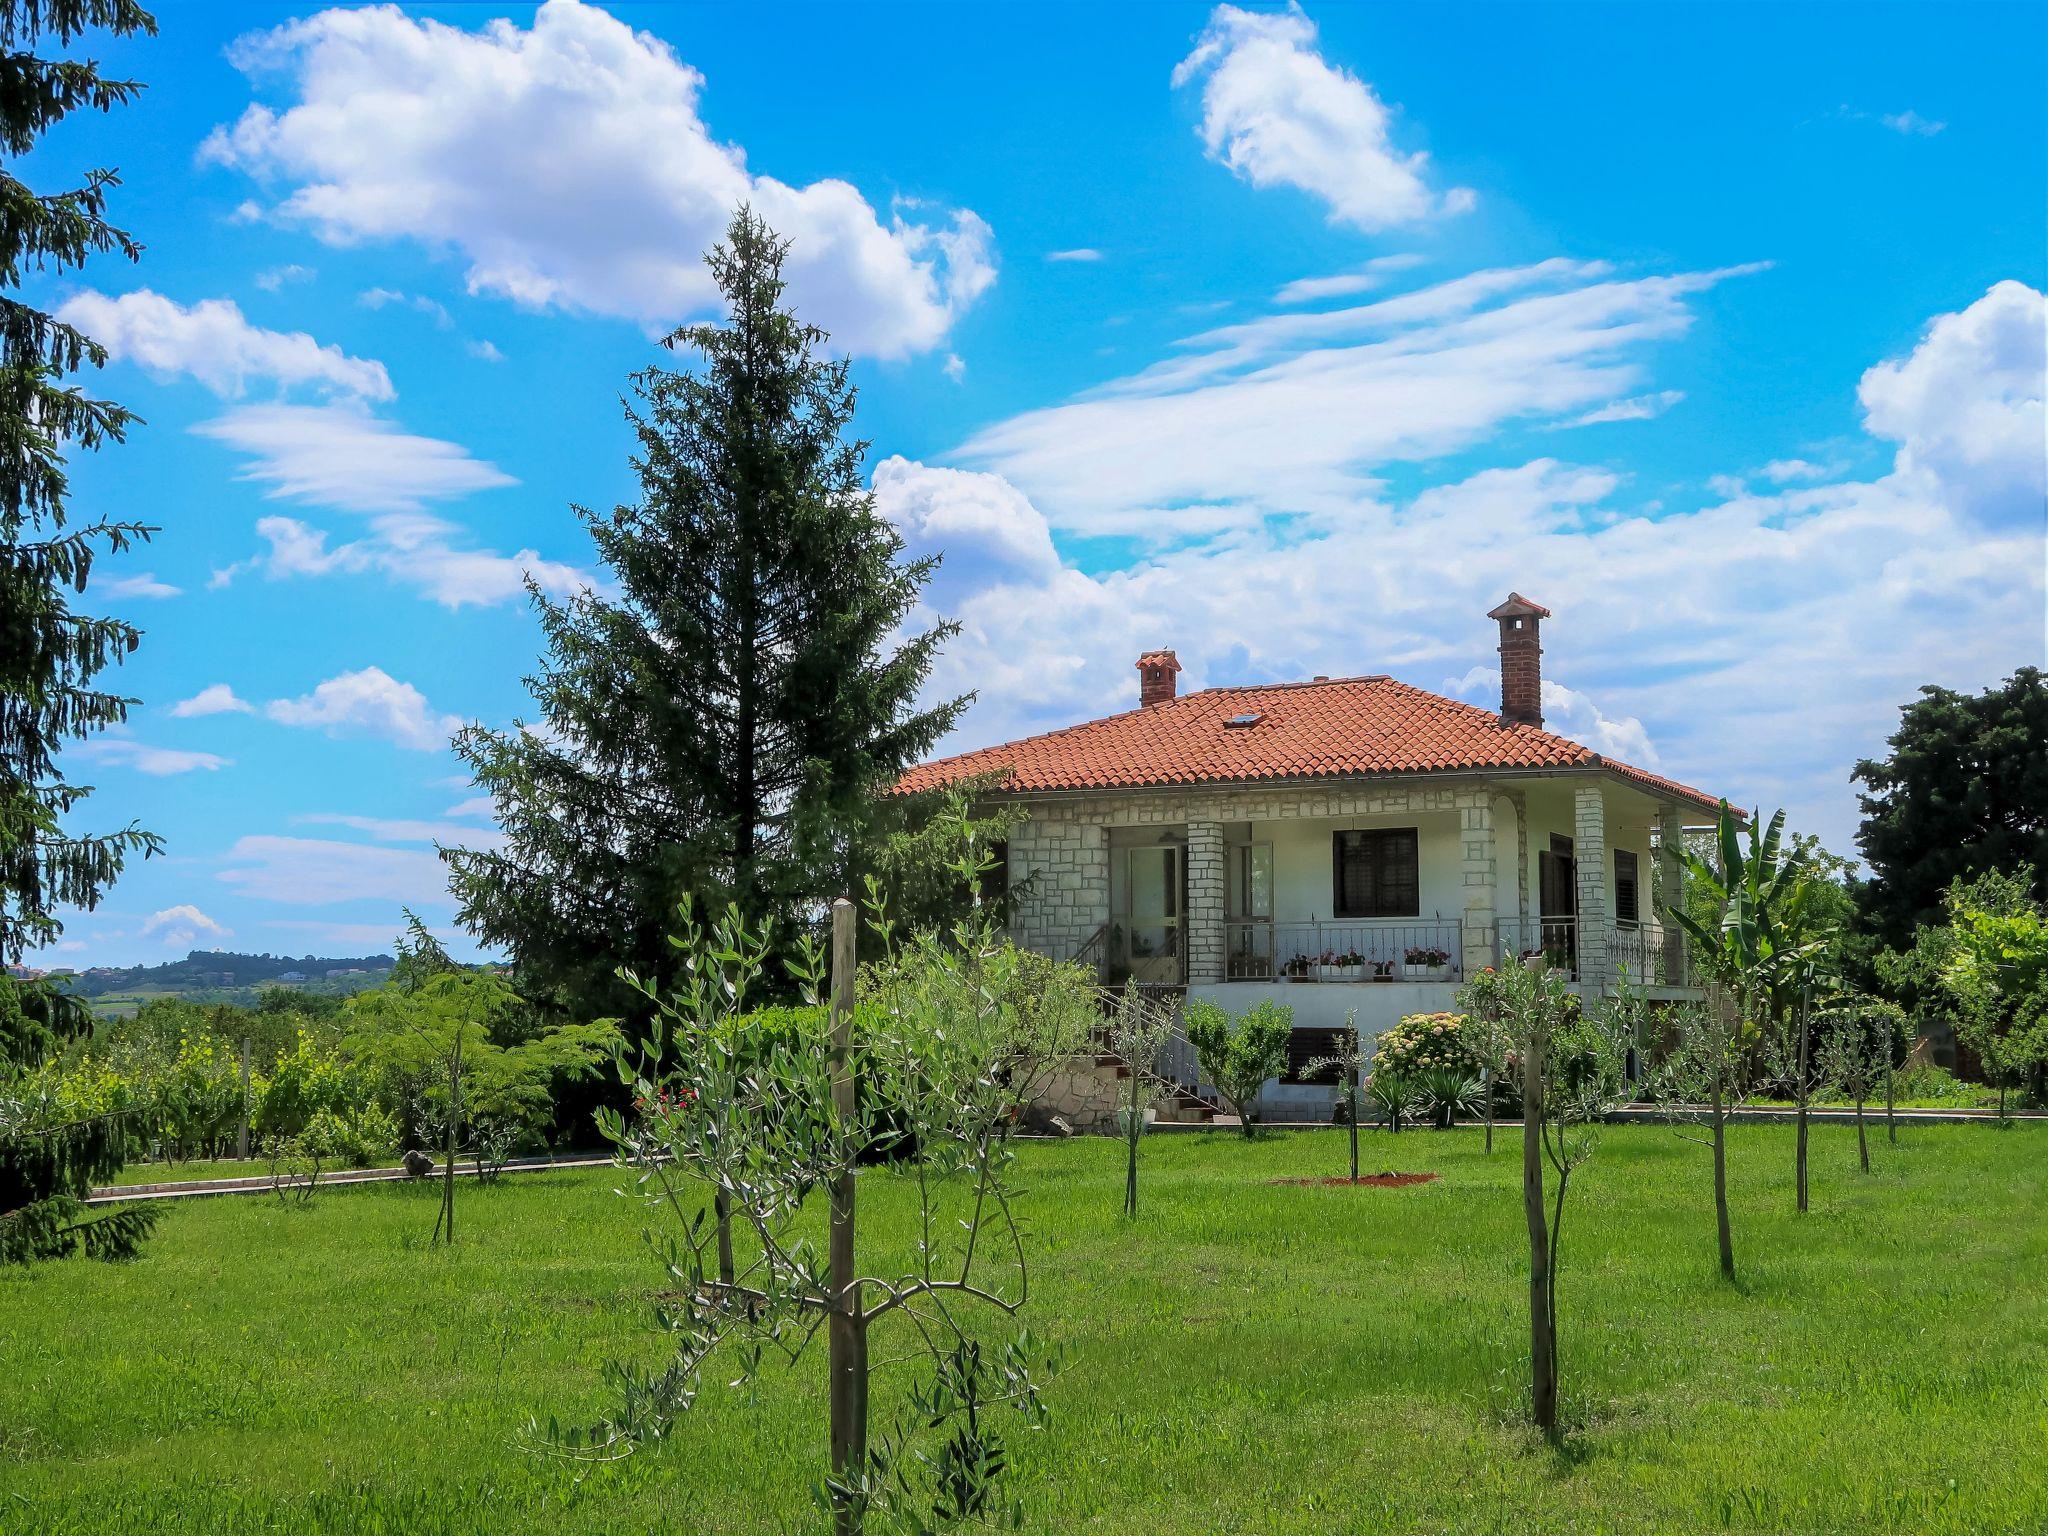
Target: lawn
{"x": 1243, "y": 1357}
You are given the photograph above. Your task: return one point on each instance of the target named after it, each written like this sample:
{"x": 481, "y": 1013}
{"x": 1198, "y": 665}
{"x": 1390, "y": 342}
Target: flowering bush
{"x": 1423, "y": 1042}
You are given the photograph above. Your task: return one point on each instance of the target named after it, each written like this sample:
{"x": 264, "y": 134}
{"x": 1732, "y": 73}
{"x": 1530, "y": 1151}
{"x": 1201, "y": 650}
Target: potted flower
{"x": 1341, "y": 965}
{"x": 1383, "y": 970}
{"x": 1299, "y": 968}
{"x": 1425, "y": 963}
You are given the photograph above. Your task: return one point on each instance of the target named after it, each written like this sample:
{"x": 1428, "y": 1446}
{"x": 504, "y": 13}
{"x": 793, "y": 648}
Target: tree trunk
{"x": 846, "y": 1330}
{"x": 1489, "y": 1114}
{"x": 1542, "y": 1337}
{"x": 1804, "y": 1090}
{"x": 1723, "y": 1229}
{"x": 1351, "y": 1124}
{"x": 721, "y": 1206}
{"x": 1891, "y": 1112}
{"x": 1862, "y": 1140}
{"x": 1131, "y": 1133}
{"x": 446, "y": 1224}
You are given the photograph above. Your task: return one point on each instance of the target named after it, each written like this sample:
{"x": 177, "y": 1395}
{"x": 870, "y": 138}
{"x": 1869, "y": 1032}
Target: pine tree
{"x": 721, "y": 726}
{"x": 49, "y": 655}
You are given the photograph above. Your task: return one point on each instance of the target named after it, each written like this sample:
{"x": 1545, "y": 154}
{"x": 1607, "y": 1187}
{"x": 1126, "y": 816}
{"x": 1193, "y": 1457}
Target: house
{"x": 1346, "y": 845}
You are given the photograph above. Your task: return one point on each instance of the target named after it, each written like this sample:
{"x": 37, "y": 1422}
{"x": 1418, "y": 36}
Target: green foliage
{"x": 1394, "y": 1094}
{"x": 357, "y": 1136}
{"x": 1996, "y": 967}
{"x": 1240, "y": 1054}
{"x": 1446, "y": 1093}
{"x": 1964, "y": 792}
{"x": 724, "y": 724}
{"x": 920, "y": 843}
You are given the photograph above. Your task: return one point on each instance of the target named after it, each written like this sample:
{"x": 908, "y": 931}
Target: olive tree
{"x": 1139, "y": 1032}
{"x": 953, "y": 1033}
{"x": 1240, "y": 1053}
{"x": 1859, "y": 1051}
{"x": 1349, "y": 1058}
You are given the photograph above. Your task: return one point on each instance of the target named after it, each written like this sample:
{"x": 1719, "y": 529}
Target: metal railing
{"x": 1258, "y": 949}
{"x": 1636, "y": 950}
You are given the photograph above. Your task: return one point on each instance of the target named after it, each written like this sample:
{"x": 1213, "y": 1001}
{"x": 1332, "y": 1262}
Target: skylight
{"x": 1240, "y": 721}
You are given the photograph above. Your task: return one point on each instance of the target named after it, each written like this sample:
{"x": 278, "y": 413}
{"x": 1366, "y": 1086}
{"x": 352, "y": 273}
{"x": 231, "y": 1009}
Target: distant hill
{"x": 224, "y": 976}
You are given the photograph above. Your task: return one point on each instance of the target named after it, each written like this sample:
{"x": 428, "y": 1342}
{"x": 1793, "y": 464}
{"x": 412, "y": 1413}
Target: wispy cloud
{"x": 1078, "y": 253}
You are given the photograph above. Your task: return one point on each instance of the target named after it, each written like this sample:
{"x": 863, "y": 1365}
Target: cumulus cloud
{"x": 211, "y": 342}
{"x": 157, "y": 762}
{"x": 183, "y": 926}
{"x": 1295, "y": 412}
{"x": 369, "y": 703}
{"x": 1278, "y": 114}
{"x": 1912, "y": 123}
{"x": 307, "y": 871}
{"x": 569, "y": 166}
{"x": 214, "y": 699}
{"x": 1965, "y": 406}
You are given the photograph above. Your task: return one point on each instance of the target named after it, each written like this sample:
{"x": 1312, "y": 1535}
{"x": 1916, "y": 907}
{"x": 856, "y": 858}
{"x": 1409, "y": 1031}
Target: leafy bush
{"x": 1240, "y": 1054}
{"x": 1447, "y": 1093}
{"x": 308, "y": 1080}
{"x": 358, "y": 1136}
{"x": 1424, "y": 1042}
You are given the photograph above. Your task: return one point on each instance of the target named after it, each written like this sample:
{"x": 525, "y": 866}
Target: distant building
{"x": 293, "y": 976}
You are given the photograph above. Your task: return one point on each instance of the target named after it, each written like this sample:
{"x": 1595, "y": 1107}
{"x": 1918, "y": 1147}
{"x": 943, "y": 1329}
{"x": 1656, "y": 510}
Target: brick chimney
{"x": 1156, "y": 672}
{"x": 1521, "y": 660}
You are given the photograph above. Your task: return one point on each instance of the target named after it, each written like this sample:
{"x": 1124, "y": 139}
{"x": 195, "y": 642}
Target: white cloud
{"x": 1278, "y": 114}
{"x": 1293, "y": 413}
{"x": 157, "y": 762}
{"x": 1731, "y": 646}
{"x": 1785, "y": 471}
{"x": 183, "y": 926}
{"x": 413, "y": 549}
{"x": 485, "y": 350}
{"x": 569, "y": 167}
{"x": 305, "y": 871}
{"x": 358, "y": 938}
{"x": 213, "y": 699}
{"x": 274, "y": 278}
{"x": 953, "y": 368}
{"x": 1078, "y": 253}
{"x": 1568, "y": 712}
{"x": 340, "y": 455}
{"x": 1966, "y": 405}
{"x": 143, "y": 584}
{"x": 1912, "y": 123}
{"x": 476, "y": 805}
{"x": 1640, "y": 408}
{"x": 383, "y": 298}
{"x": 211, "y": 342}
{"x": 369, "y": 703}
{"x": 1337, "y": 285}
{"x": 398, "y": 830}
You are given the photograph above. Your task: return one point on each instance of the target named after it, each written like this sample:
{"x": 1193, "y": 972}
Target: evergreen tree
{"x": 49, "y": 655}
{"x": 721, "y": 726}
{"x": 51, "y": 1155}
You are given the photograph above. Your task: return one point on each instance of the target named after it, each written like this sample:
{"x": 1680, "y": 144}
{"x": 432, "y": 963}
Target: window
{"x": 1626, "y": 909}
{"x": 1376, "y": 874}
{"x": 1305, "y": 1046}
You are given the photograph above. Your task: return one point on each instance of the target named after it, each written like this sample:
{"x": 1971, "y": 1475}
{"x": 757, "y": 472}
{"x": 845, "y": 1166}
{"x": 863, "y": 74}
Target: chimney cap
{"x": 1159, "y": 659}
{"x": 1519, "y": 607}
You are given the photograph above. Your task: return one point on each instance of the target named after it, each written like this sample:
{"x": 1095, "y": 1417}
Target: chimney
{"x": 1156, "y": 671}
{"x": 1521, "y": 660}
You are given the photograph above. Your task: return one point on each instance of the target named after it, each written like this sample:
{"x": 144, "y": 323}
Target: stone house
{"x": 1348, "y": 846}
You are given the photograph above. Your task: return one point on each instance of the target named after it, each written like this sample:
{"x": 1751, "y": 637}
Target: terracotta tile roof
{"x": 1336, "y": 728}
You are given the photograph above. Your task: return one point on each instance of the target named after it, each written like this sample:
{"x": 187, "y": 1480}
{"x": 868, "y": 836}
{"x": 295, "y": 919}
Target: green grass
{"x": 1243, "y": 1357}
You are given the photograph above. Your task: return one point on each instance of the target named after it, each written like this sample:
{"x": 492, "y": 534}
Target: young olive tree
{"x": 1572, "y": 1066}
{"x": 1139, "y": 1032}
{"x": 1350, "y": 1059}
{"x": 1240, "y": 1054}
{"x": 951, "y": 1036}
{"x": 1859, "y": 1047}
{"x": 1486, "y": 1036}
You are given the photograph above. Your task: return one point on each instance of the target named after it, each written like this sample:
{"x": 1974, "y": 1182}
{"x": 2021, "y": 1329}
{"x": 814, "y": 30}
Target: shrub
{"x": 1447, "y": 1093}
{"x": 357, "y": 1136}
{"x": 1424, "y": 1042}
{"x": 1240, "y": 1054}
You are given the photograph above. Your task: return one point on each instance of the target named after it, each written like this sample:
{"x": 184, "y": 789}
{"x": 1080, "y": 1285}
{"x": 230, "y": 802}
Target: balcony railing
{"x": 1635, "y": 950}
{"x": 1258, "y": 949}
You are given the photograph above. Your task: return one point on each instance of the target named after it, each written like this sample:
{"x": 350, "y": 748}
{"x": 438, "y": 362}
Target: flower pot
{"x": 1341, "y": 972}
{"x": 1413, "y": 972}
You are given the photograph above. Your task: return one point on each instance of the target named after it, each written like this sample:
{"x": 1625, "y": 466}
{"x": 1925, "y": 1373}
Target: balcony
{"x": 1638, "y": 953}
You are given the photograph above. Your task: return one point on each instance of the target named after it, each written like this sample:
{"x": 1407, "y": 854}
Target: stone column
{"x": 1671, "y": 889}
{"x": 1204, "y": 916}
{"x": 1480, "y": 866}
{"x": 1589, "y": 853}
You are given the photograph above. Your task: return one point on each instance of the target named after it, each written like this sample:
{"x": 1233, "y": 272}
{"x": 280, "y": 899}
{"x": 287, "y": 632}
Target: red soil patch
{"x": 1376, "y": 1180}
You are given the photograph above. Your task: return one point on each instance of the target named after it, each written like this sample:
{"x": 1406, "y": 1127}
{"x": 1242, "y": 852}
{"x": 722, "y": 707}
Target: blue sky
{"x": 1290, "y": 339}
